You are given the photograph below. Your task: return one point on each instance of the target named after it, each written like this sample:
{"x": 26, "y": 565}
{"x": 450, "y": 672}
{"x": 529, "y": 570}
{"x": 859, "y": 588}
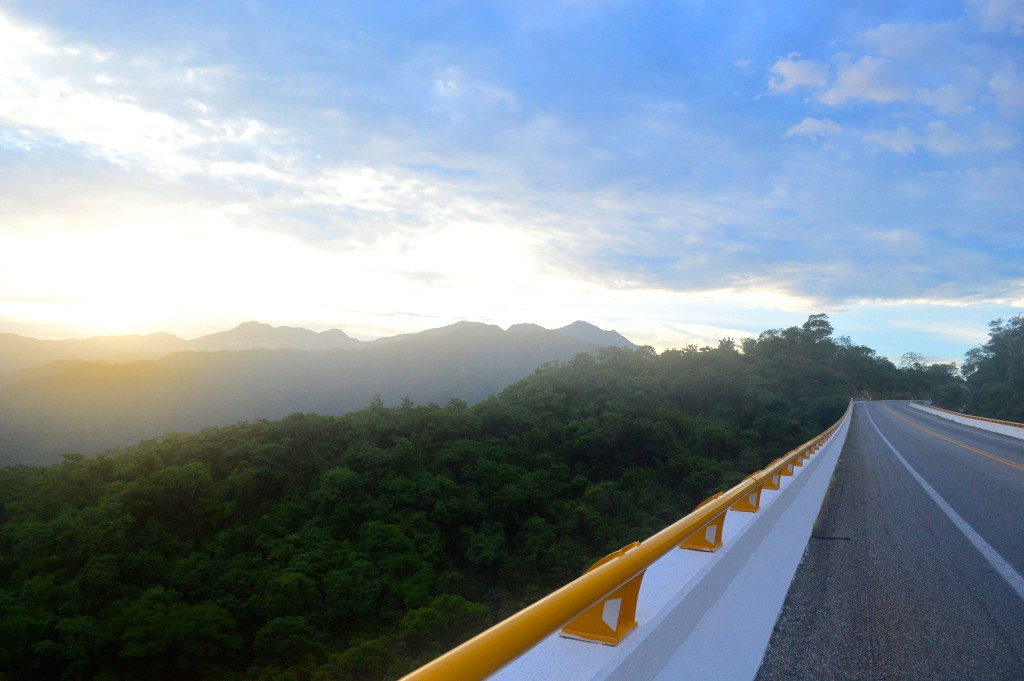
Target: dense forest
{"x": 358, "y": 546}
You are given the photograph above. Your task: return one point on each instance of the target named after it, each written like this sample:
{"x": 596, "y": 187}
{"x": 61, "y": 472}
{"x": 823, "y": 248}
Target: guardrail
{"x": 601, "y": 604}
{"x": 1012, "y": 424}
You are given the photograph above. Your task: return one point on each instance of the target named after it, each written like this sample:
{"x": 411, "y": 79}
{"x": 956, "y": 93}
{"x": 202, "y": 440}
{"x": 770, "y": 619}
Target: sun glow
{"x": 203, "y": 266}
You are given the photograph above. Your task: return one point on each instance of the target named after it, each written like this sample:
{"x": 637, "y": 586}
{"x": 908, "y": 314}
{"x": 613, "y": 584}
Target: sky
{"x": 677, "y": 171}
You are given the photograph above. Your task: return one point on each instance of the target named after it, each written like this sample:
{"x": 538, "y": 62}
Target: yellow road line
{"x": 994, "y": 457}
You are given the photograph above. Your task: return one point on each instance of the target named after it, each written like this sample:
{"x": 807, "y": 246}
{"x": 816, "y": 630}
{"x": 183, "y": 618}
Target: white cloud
{"x": 899, "y": 239}
{"x": 791, "y": 73}
{"x": 872, "y": 79}
{"x": 97, "y": 106}
{"x": 927, "y": 43}
{"x": 998, "y": 15}
{"x": 937, "y": 136}
{"x": 1007, "y": 85}
{"x": 375, "y": 190}
{"x": 207, "y": 79}
{"x": 18, "y": 42}
{"x": 940, "y": 139}
{"x": 452, "y": 85}
{"x": 997, "y": 137}
{"x": 813, "y": 128}
{"x": 900, "y": 140}
{"x": 948, "y": 99}
{"x": 933, "y": 65}
{"x": 121, "y": 128}
{"x": 933, "y": 57}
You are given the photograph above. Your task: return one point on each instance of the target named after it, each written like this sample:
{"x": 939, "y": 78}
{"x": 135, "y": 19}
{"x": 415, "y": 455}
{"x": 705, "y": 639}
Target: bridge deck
{"x": 890, "y": 587}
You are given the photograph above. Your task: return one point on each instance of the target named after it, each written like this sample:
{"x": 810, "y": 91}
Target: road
{"x": 914, "y": 567}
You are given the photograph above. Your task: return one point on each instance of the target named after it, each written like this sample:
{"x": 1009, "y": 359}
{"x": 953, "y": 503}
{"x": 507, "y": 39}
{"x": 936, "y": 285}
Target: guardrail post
{"x": 709, "y": 537}
{"x": 610, "y": 619}
{"x": 750, "y": 503}
{"x": 774, "y": 482}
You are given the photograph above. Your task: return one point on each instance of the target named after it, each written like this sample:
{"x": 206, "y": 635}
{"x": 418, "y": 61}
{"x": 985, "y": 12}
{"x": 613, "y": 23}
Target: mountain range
{"x": 85, "y": 396}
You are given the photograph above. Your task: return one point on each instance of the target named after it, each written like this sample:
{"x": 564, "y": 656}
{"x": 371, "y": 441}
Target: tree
{"x": 817, "y": 328}
{"x": 171, "y": 639}
{"x": 364, "y": 661}
{"x": 448, "y": 620}
{"x": 995, "y": 372}
{"x": 912, "y": 361}
{"x": 287, "y": 641}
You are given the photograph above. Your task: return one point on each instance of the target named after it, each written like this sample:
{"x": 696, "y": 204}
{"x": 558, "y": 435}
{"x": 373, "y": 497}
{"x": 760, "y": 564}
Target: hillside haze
{"x": 21, "y": 352}
{"x": 76, "y": 404}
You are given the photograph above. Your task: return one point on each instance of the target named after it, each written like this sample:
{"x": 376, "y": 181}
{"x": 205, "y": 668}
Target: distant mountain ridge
{"x": 584, "y": 331}
{"x": 260, "y": 336}
{"x": 23, "y": 352}
{"x": 85, "y": 406}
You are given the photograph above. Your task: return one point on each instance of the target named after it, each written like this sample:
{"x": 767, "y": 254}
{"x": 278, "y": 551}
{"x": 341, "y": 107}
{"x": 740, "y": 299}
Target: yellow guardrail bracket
{"x": 707, "y": 538}
{"x": 750, "y": 502}
{"x": 611, "y": 618}
{"x": 774, "y": 482}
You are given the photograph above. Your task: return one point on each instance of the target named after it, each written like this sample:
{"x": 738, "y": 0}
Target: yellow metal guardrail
{"x": 582, "y": 606}
{"x": 1014, "y": 424}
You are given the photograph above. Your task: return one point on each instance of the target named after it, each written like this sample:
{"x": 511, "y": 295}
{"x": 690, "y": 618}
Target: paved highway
{"x": 914, "y": 569}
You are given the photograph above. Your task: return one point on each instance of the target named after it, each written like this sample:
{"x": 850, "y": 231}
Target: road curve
{"x": 914, "y": 567}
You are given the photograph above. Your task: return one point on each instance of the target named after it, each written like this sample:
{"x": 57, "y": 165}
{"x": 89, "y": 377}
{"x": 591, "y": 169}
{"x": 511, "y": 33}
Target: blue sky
{"x": 678, "y": 171}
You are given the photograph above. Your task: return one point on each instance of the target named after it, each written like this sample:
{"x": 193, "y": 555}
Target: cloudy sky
{"x": 679, "y": 171}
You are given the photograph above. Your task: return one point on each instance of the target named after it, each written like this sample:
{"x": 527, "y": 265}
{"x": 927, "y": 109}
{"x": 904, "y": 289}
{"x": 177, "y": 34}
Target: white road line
{"x": 1005, "y": 570}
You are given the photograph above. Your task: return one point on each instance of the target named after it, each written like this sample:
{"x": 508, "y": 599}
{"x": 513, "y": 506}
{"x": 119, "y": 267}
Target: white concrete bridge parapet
{"x": 1012, "y": 431}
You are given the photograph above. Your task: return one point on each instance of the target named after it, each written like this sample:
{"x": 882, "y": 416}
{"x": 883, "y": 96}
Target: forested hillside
{"x": 357, "y": 546}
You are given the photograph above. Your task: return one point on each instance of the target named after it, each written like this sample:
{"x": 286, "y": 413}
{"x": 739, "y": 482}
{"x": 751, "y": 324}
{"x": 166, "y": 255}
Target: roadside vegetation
{"x": 358, "y": 546}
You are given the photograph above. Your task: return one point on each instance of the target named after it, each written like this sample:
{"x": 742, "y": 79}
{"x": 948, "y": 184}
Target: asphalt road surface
{"x": 913, "y": 570}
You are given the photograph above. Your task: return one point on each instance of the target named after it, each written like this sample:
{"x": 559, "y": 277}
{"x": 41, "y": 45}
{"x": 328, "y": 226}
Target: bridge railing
{"x": 600, "y": 605}
{"x": 1012, "y": 424}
